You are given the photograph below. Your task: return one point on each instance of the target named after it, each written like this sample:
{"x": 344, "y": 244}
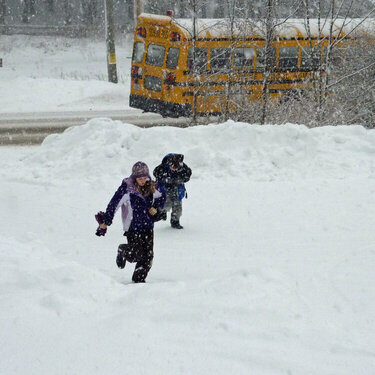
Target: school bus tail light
{"x": 175, "y": 37}
{"x": 141, "y": 31}
{"x": 170, "y": 78}
{"x": 136, "y": 72}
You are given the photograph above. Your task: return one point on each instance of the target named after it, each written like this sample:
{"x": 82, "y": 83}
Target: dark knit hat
{"x": 140, "y": 169}
{"x": 175, "y": 160}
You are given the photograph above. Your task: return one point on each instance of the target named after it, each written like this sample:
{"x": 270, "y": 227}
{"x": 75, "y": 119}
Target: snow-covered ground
{"x": 272, "y": 274}
{"x": 52, "y": 74}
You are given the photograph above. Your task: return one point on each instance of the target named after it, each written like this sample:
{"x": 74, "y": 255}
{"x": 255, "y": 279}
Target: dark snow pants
{"x": 139, "y": 249}
{"x": 173, "y": 203}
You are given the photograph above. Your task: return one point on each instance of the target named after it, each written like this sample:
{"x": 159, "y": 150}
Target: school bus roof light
{"x": 141, "y": 31}
{"x": 175, "y": 37}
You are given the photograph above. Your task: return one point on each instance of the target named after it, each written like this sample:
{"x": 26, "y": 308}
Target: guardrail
{"x": 33, "y": 128}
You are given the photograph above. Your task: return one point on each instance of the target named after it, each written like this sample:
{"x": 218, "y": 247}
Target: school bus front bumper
{"x": 166, "y": 109}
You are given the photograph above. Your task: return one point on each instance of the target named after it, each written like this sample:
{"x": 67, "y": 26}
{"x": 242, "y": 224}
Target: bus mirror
{"x": 175, "y": 37}
{"x": 141, "y": 31}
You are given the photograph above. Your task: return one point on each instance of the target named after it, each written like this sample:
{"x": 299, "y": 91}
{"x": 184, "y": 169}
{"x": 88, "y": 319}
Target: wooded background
{"x": 90, "y": 13}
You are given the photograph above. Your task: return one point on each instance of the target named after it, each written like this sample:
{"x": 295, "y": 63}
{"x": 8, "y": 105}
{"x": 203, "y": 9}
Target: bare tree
{"x": 28, "y": 10}
{"x": 233, "y": 31}
{"x": 3, "y": 11}
{"x": 68, "y": 12}
{"x": 50, "y": 5}
{"x": 338, "y": 64}
{"x": 90, "y": 10}
{"x": 197, "y": 58}
{"x": 269, "y": 65}
{"x": 195, "y": 64}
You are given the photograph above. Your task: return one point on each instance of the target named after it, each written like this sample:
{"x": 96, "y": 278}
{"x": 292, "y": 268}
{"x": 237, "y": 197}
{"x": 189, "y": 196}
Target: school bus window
{"x": 200, "y": 59}
{"x": 172, "y": 58}
{"x": 155, "y": 55}
{"x": 243, "y": 57}
{"x": 310, "y": 56}
{"x": 288, "y": 57}
{"x": 138, "y": 52}
{"x": 261, "y": 57}
{"x": 153, "y": 83}
{"x": 220, "y": 59}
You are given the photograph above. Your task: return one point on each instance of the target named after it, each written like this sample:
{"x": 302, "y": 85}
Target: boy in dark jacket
{"x": 172, "y": 173}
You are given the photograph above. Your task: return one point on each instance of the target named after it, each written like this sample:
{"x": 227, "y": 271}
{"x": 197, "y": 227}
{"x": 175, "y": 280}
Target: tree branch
{"x": 351, "y": 75}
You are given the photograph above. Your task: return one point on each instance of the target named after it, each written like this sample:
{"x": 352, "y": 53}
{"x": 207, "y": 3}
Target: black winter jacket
{"x": 164, "y": 174}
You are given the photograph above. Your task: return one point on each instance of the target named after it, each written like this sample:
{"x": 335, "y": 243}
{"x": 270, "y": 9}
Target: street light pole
{"x": 110, "y": 41}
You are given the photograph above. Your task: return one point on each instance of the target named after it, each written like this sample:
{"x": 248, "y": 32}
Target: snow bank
{"x": 103, "y": 148}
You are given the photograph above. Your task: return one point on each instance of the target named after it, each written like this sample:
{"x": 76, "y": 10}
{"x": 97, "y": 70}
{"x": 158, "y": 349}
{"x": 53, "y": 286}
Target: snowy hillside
{"x": 273, "y": 273}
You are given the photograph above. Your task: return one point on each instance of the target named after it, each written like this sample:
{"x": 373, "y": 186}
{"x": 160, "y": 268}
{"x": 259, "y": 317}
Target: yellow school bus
{"x": 174, "y": 74}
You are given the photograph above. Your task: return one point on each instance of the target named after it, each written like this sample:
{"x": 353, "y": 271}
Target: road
{"x": 32, "y": 128}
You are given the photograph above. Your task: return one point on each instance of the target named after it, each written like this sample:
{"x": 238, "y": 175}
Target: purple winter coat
{"x": 134, "y": 206}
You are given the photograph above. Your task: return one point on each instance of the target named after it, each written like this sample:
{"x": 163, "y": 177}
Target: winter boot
{"x": 176, "y": 224}
{"x": 139, "y": 275}
{"x": 120, "y": 259}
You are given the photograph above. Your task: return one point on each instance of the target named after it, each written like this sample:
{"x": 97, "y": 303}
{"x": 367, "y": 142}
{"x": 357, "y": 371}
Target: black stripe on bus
{"x": 250, "y": 39}
{"x": 260, "y": 70}
{"x": 212, "y": 93}
{"x": 247, "y": 82}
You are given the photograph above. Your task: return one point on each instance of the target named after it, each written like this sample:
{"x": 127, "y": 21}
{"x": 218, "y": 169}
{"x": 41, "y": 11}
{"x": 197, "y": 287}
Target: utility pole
{"x": 3, "y": 10}
{"x": 110, "y": 41}
{"x": 138, "y": 9}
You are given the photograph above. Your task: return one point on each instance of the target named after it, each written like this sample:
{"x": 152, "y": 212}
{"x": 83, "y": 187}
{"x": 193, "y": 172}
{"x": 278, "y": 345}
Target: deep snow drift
{"x": 273, "y": 273}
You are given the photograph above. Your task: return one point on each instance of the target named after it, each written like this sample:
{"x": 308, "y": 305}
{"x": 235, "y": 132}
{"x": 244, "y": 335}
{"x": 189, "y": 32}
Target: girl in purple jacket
{"x": 140, "y": 200}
